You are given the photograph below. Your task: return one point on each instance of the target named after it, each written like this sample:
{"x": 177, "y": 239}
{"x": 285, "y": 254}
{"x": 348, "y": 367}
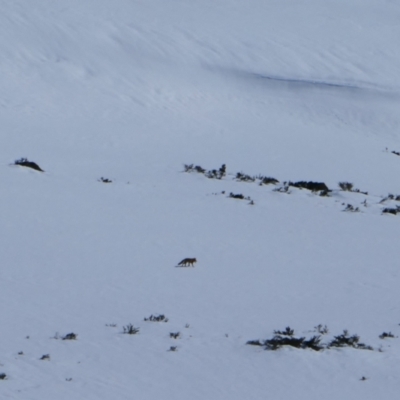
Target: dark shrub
{"x": 351, "y": 208}
{"x": 105, "y": 180}
{"x": 70, "y": 336}
{"x": 24, "y": 162}
{"x": 192, "y": 168}
{"x": 385, "y": 335}
{"x": 313, "y": 186}
{"x": 240, "y": 176}
{"x": 130, "y": 329}
{"x": 236, "y": 196}
{"x": 388, "y": 210}
{"x": 345, "y": 340}
{"x": 287, "y": 332}
{"x": 156, "y": 318}
{"x": 346, "y": 186}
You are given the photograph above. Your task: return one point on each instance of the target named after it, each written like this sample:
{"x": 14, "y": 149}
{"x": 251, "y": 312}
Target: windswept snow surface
{"x": 133, "y": 90}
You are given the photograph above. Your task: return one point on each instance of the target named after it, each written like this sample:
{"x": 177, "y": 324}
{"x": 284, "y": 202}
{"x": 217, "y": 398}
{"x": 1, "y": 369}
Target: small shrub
{"x": 345, "y": 340}
{"x": 350, "y": 208}
{"x": 24, "y": 162}
{"x": 156, "y": 318}
{"x": 282, "y": 189}
{"x": 266, "y": 180}
{"x": 346, "y": 186}
{"x": 389, "y": 210}
{"x": 238, "y": 196}
{"x": 174, "y": 335}
{"x": 254, "y": 342}
{"x": 313, "y": 186}
{"x": 324, "y": 193}
{"x": 45, "y": 357}
{"x": 3, "y": 376}
{"x": 359, "y": 191}
{"x": 286, "y": 338}
{"x": 385, "y": 335}
{"x": 70, "y": 336}
{"x": 192, "y": 168}
{"x": 173, "y": 348}
{"x": 388, "y": 197}
{"x": 130, "y": 329}
{"x": 287, "y": 332}
{"x": 396, "y": 152}
{"x": 105, "y": 180}
{"x": 322, "y": 329}
{"x": 216, "y": 174}
{"x": 240, "y": 176}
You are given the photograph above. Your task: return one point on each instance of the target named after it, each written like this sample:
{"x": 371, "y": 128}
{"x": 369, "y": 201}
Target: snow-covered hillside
{"x": 131, "y": 92}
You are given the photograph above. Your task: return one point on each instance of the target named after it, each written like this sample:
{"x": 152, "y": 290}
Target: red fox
{"x": 188, "y": 262}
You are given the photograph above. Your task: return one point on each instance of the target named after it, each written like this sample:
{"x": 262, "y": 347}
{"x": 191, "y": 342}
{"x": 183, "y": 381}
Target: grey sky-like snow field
{"x": 130, "y": 91}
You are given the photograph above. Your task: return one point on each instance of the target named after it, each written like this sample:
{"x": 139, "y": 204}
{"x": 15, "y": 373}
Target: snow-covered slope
{"x": 131, "y": 91}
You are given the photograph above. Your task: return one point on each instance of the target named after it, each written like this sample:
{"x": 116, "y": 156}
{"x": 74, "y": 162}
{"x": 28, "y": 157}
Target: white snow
{"x": 132, "y": 90}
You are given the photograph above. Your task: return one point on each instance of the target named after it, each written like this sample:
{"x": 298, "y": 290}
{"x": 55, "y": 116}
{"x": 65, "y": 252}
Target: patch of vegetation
{"x": 396, "y": 152}
{"x": 105, "y": 180}
{"x": 390, "y": 197}
{"x": 173, "y": 348}
{"x": 130, "y": 329}
{"x": 360, "y": 191}
{"x": 351, "y": 208}
{"x": 254, "y": 342}
{"x": 282, "y": 189}
{"x": 112, "y": 325}
{"x": 70, "y": 336}
{"x": 157, "y": 318}
{"x": 287, "y": 332}
{"x": 385, "y": 335}
{"x": 45, "y": 357}
{"x": 24, "y": 162}
{"x": 345, "y": 340}
{"x": 3, "y": 376}
{"x": 349, "y": 187}
{"x": 287, "y": 338}
{"x": 211, "y": 174}
{"x": 239, "y": 196}
{"x": 264, "y": 180}
{"x": 240, "y": 176}
{"x": 346, "y": 186}
{"x": 216, "y": 174}
{"x": 324, "y": 193}
{"x": 322, "y": 329}
{"x": 267, "y": 180}
{"x": 192, "y": 168}
{"x": 175, "y": 335}
{"x": 313, "y": 186}
{"x": 388, "y": 210}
